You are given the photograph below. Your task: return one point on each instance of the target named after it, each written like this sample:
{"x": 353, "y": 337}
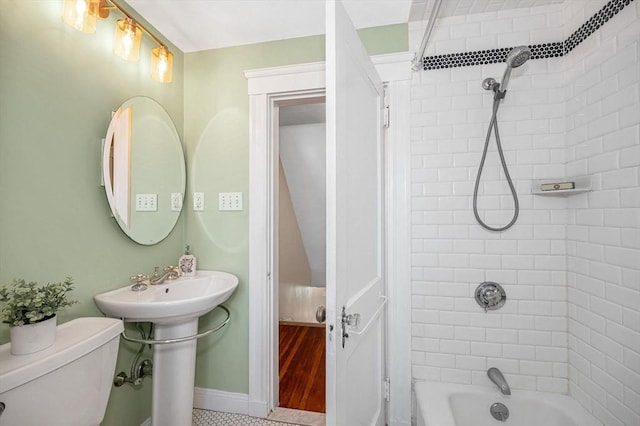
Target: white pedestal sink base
{"x": 173, "y": 377}
{"x": 174, "y": 307}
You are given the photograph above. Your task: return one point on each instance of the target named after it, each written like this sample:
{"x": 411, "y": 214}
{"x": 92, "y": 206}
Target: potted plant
{"x": 30, "y": 310}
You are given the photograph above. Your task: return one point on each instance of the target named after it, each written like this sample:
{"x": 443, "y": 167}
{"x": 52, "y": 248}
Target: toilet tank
{"x": 67, "y": 384}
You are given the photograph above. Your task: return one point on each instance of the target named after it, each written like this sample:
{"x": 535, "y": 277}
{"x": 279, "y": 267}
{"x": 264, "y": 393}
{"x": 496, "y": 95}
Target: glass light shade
{"x": 161, "y": 64}
{"x": 80, "y": 14}
{"x": 127, "y": 41}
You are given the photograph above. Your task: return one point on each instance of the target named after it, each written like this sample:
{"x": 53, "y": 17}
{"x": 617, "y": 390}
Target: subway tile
{"x": 603, "y": 162}
{"x": 506, "y": 366}
{"x": 550, "y": 323}
{"x": 605, "y": 235}
{"x": 471, "y": 362}
{"x": 454, "y": 318}
{"x": 552, "y": 384}
{"x": 439, "y": 360}
{"x": 469, "y": 333}
{"x": 546, "y": 353}
{"x": 623, "y": 138}
{"x": 631, "y": 278}
{"x": 625, "y": 414}
{"x": 631, "y": 359}
{"x": 624, "y": 336}
{"x": 494, "y": 335}
{"x": 534, "y": 307}
{"x": 519, "y": 352}
{"x": 630, "y": 157}
{"x": 623, "y": 178}
{"x": 486, "y": 349}
{"x": 625, "y": 375}
{"x": 630, "y": 197}
{"x": 621, "y": 256}
{"x": 605, "y": 416}
{"x": 536, "y": 368}
{"x": 631, "y": 238}
{"x": 630, "y": 115}
{"x": 456, "y": 376}
{"x": 631, "y": 399}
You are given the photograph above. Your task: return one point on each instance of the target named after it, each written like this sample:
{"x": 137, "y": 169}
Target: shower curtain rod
{"x": 416, "y": 63}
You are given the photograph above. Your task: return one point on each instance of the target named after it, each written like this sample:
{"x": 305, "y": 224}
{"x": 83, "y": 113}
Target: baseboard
{"x": 217, "y": 400}
{"x": 146, "y": 422}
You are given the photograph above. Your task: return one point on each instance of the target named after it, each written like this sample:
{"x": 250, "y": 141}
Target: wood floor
{"x": 302, "y": 367}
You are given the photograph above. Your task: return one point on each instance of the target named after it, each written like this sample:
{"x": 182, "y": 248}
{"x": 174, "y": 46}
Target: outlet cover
{"x": 198, "y": 201}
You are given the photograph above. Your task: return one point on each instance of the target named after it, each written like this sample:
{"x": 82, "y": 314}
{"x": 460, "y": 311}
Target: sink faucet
{"x": 170, "y": 273}
{"x": 496, "y": 377}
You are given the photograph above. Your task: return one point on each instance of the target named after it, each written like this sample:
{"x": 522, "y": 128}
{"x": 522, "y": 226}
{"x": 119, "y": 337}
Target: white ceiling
{"x": 194, "y": 25}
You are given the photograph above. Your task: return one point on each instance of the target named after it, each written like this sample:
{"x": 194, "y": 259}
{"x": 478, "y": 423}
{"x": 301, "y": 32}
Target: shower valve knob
{"x": 490, "y": 295}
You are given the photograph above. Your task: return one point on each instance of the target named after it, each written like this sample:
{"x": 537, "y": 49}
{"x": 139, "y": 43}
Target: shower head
{"x": 516, "y": 57}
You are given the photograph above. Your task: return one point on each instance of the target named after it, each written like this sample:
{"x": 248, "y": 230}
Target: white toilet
{"x": 67, "y": 384}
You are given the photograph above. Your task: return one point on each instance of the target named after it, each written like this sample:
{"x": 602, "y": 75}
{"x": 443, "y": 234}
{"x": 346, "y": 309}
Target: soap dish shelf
{"x": 582, "y": 185}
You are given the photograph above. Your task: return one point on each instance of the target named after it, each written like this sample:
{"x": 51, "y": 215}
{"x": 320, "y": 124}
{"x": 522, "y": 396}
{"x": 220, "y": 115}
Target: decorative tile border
{"x": 538, "y": 51}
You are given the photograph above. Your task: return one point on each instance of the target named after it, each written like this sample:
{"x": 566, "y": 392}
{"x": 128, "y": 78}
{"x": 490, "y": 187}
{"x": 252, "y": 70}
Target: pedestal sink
{"x": 174, "y": 307}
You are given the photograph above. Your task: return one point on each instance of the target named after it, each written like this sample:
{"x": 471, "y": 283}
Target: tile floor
{"x": 279, "y": 417}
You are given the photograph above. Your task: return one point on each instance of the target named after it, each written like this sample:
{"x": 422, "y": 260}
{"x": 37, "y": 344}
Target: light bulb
{"x": 127, "y": 40}
{"x": 161, "y": 64}
{"x": 77, "y": 13}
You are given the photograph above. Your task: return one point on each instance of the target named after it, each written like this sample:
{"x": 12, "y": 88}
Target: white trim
{"x": 393, "y": 66}
{"x": 390, "y": 67}
{"x": 264, "y": 86}
{"x": 399, "y": 253}
{"x": 285, "y": 79}
{"x": 147, "y": 422}
{"x": 258, "y": 255}
{"x": 217, "y": 400}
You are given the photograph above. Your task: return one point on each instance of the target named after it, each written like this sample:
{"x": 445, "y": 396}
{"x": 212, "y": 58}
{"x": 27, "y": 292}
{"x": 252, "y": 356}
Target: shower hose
{"x": 493, "y": 125}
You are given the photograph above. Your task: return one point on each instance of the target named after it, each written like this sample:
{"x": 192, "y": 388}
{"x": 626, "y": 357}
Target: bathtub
{"x": 445, "y": 404}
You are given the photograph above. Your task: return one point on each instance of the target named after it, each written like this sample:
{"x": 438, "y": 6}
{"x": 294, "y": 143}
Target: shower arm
{"x": 416, "y": 62}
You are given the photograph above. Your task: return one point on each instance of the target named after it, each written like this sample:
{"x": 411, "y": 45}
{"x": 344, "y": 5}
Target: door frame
{"x": 267, "y": 87}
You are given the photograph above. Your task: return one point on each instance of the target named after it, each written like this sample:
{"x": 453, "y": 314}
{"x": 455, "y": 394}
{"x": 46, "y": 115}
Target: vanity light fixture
{"x": 83, "y": 15}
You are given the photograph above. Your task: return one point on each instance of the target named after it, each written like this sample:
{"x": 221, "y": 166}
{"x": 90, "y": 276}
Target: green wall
{"x": 217, "y": 141}
{"x": 57, "y": 90}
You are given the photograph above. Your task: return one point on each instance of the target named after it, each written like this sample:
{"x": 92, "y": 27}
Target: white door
{"x": 355, "y": 238}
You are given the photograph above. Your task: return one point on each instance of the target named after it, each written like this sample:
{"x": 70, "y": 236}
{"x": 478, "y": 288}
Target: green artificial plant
{"x": 30, "y": 303}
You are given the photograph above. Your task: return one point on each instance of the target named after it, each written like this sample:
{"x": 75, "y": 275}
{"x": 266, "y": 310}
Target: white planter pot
{"x": 30, "y": 338}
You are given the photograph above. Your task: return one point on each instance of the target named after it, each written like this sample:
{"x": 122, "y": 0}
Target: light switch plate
{"x": 230, "y": 201}
{"x": 146, "y": 202}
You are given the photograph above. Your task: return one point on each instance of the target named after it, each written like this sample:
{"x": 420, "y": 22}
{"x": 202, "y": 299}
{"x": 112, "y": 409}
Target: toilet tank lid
{"x": 74, "y": 339}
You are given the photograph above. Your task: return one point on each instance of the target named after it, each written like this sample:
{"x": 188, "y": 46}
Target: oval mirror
{"x": 143, "y": 170}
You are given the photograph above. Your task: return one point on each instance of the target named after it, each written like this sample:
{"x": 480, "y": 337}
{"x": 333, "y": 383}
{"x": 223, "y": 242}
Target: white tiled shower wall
{"x": 603, "y": 233}
{"x": 572, "y": 319}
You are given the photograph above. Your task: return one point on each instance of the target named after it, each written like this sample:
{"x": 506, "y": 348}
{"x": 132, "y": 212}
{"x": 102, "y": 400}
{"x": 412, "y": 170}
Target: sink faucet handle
{"x": 139, "y": 278}
{"x": 174, "y": 272}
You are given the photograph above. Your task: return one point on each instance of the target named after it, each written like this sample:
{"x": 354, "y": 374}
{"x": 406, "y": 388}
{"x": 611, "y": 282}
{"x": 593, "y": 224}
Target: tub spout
{"x": 496, "y": 377}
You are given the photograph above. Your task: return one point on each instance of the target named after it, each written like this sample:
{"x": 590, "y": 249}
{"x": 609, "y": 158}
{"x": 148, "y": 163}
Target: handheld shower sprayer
{"x": 516, "y": 57}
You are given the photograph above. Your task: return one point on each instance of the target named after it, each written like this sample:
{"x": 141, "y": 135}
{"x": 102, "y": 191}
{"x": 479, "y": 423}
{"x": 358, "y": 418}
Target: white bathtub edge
{"x": 437, "y": 394}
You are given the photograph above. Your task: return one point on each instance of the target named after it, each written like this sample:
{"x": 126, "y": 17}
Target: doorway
{"x": 301, "y": 263}
{"x": 269, "y": 86}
